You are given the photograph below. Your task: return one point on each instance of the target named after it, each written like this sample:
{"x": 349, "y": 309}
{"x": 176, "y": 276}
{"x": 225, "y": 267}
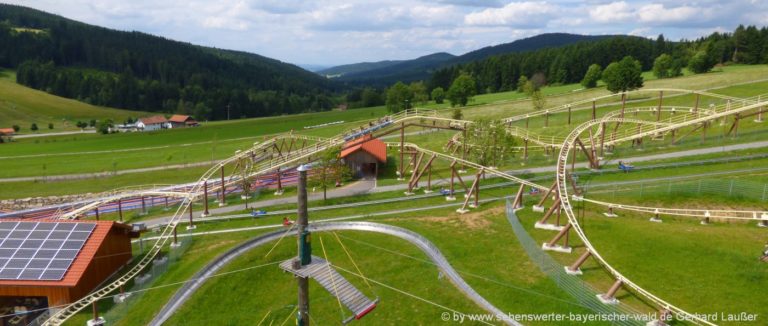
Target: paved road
{"x": 362, "y": 187}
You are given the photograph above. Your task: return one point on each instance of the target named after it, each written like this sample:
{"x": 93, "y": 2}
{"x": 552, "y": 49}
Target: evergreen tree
{"x": 662, "y": 66}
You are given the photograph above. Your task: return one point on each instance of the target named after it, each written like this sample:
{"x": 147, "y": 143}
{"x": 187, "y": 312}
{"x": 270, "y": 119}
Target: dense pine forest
{"x": 138, "y": 71}
{"x": 568, "y": 64}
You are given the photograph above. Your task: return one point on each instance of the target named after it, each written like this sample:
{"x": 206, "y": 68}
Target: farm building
{"x": 156, "y": 122}
{"x": 363, "y": 156}
{"x": 51, "y": 263}
{"x": 181, "y": 121}
{"x": 6, "y": 134}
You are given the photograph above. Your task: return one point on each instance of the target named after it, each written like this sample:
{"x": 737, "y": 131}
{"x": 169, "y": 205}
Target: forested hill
{"x": 134, "y": 70}
{"x": 385, "y": 73}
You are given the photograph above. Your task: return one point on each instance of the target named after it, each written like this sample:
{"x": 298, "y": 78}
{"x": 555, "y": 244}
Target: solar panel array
{"x": 40, "y": 250}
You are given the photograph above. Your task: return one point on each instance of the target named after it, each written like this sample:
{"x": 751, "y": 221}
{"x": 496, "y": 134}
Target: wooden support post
{"x": 279, "y": 182}
{"x": 97, "y": 213}
{"x": 569, "y": 114}
{"x": 191, "y": 223}
{"x": 413, "y": 182}
{"x": 95, "y": 306}
{"x": 576, "y": 266}
{"x": 560, "y": 235}
{"x": 610, "y": 296}
{"x": 696, "y": 104}
{"x": 623, "y": 104}
{"x": 546, "y": 195}
{"x": 658, "y": 109}
{"x": 175, "y": 237}
{"x": 594, "y": 113}
{"x": 518, "y": 203}
{"x": 602, "y": 138}
{"x": 477, "y": 190}
{"x": 464, "y": 149}
{"x": 290, "y": 146}
{"x": 143, "y": 206}
{"x": 470, "y": 192}
{"x": 429, "y": 179}
{"x": 548, "y": 214}
{"x": 205, "y": 198}
{"x": 453, "y": 175}
{"x": 592, "y": 161}
{"x": 166, "y": 202}
{"x": 223, "y": 200}
{"x": 120, "y": 209}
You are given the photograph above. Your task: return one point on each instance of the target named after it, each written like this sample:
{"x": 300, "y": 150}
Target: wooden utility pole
{"x": 305, "y": 248}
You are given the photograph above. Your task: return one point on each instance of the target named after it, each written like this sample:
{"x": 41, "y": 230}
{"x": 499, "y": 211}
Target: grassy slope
{"x": 20, "y": 105}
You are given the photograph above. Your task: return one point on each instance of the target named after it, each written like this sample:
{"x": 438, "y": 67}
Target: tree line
{"x": 569, "y": 64}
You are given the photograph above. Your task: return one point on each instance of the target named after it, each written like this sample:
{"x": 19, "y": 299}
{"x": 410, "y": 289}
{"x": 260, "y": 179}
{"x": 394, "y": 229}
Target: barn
{"x": 181, "y": 121}
{"x": 6, "y": 134}
{"x": 156, "y": 122}
{"x": 52, "y": 263}
{"x": 364, "y": 155}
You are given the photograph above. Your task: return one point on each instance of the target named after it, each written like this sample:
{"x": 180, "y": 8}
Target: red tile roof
{"x": 7, "y": 131}
{"x": 80, "y": 263}
{"x": 153, "y": 120}
{"x": 370, "y": 145}
{"x": 180, "y": 118}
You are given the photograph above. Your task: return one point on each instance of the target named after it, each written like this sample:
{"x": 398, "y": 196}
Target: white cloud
{"x": 658, "y": 13}
{"x": 612, "y": 12}
{"x": 515, "y": 14}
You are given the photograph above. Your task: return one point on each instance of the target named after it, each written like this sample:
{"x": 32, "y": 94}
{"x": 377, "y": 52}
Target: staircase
{"x": 322, "y": 271}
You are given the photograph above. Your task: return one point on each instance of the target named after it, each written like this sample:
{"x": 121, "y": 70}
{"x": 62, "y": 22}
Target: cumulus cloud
{"x": 345, "y": 31}
{"x": 515, "y": 14}
{"x": 612, "y": 12}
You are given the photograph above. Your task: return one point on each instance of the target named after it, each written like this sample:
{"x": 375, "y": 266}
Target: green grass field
{"x": 23, "y": 106}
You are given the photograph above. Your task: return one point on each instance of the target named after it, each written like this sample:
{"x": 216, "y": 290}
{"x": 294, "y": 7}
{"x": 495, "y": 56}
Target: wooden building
{"x": 181, "y": 121}
{"x": 363, "y": 156}
{"x": 44, "y": 265}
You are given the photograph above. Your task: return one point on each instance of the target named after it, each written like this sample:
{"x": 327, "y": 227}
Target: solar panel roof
{"x": 40, "y": 250}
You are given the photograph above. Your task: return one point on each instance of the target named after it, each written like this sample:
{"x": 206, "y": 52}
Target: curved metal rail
{"x": 562, "y": 187}
{"x": 434, "y": 254}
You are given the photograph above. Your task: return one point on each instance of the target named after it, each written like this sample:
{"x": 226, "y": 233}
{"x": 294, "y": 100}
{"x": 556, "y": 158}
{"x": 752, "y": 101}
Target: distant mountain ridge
{"x": 384, "y": 73}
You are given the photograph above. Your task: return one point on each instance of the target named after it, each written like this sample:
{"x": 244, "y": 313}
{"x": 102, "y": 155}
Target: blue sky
{"x": 330, "y": 32}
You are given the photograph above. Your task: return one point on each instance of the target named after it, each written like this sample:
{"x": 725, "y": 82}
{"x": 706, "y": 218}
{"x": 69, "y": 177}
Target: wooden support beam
{"x": 594, "y": 113}
{"x": 223, "y": 189}
{"x": 550, "y": 211}
{"x": 96, "y": 210}
{"x": 471, "y": 191}
{"x": 143, "y": 206}
{"x": 546, "y": 195}
{"x": 518, "y": 202}
{"x": 611, "y": 294}
{"x": 120, "y": 208}
{"x": 696, "y": 105}
{"x": 461, "y": 182}
{"x": 525, "y": 149}
{"x": 576, "y": 266}
{"x": 415, "y": 181}
{"x": 675, "y": 140}
{"x": 658, "y": 109}
{"x": 569, "y": 114}
{"x": 560, "y": 235}
{"x": 415, "y": 171}
{"x": 453, "y": 175}
{"x": 592, "y": 161}
{"x": 205, "y": 198}
{"x": 734, "y": 127}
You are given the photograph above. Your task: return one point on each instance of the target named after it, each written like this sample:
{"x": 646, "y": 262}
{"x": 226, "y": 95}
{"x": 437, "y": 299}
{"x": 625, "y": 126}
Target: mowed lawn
{"x": 22, "y": 106}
